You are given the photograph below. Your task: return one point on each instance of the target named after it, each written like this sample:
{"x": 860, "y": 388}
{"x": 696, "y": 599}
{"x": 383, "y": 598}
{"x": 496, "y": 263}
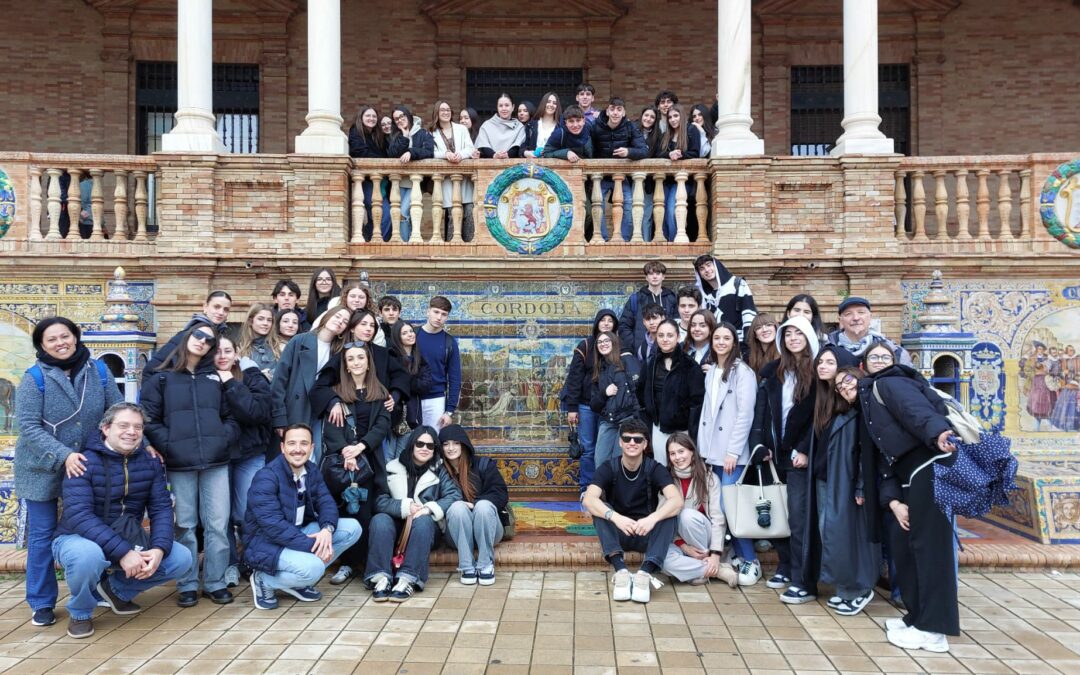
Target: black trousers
{"x": 924, "y": 557}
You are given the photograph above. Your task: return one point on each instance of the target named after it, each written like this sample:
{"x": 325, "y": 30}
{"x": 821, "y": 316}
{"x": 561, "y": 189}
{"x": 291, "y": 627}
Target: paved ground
{"x": 553, "y": 622}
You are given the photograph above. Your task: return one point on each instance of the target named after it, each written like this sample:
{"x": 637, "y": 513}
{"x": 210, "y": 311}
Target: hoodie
{"x": 419, "y": 143}
{"x": 575, "y": 391}
{"x": 484, "y": 477}
{"x": 430, "y": 485}
{"x": 729, "y": 298}
{"x": 498, "y": 135}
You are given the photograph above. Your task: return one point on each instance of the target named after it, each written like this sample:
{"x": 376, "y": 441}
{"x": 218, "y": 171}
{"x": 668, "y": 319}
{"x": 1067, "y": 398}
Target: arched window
{"x": 116, "y": 367}
{"x": 947, "y": 375}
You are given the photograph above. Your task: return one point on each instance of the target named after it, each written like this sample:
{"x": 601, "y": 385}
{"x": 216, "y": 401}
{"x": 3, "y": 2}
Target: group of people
{"x": 684, "y": 391}
{"x": 293, "y": 444}
{"x": 330, "y": 428}
{"x": 520, "y": 129}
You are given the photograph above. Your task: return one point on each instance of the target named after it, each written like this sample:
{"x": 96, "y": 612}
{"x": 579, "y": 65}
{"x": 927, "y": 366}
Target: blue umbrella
{"x": 980, "y": 478}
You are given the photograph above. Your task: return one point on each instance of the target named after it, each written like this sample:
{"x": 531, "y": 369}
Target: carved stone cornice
{"x": 609, "y": 9}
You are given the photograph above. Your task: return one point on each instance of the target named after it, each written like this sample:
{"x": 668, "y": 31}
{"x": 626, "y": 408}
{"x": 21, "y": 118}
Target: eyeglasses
{"x": 203, "y": 337}
{"x": 398, "y": 117}
{"x": 421, "y": 445}
{"x": 880, "y": 358}
{"x": 603, "y": 342}
{"x": 846, "y": 383}
{"x": 636, "y": 440}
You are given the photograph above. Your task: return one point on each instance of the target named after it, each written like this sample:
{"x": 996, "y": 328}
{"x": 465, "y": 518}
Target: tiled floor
{"x": 552, "y": 622}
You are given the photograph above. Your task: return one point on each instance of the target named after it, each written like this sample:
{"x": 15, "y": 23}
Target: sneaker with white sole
{"x": 381, "y": 591}
{"x": 486, "y": 576}
{"x": 467, "y": 577}
{"x": 895, "y": 623}
{"x": 232, "y": 576}
{"x": 778, "y": 581}
{"x": 855, "y": 605}
{"x": 834, "y": 602}
{"x": 913, "y": 638}
{"x": 796, "y": 596}
{"x": 402, "y": 591}
{"x": 641, "y": 588}
{"x": 621, "y": 579}
{"x": 749, "y": 572}
{"x": 265, "y": 598}
{"x": 343, "y": 574}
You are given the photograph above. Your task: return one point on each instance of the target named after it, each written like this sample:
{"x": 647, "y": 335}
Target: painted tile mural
{"x": 516, "y": 340}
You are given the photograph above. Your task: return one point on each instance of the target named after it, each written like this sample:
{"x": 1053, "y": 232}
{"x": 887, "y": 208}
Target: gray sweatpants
{"x": 695, "y": 528}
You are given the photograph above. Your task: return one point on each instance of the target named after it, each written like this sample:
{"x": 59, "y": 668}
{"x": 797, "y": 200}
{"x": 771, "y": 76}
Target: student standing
{"x": 682, "y": 140}
{"x": 322, "y": 288}
{"x": 726, "y": 295}
{"x": 214, "y": 315}
{"x": 454, "y": 144}
{"x": 258, "y": 340}
{"x": 613, "y": 397}
{"x": 572, "y": 140}
{"x": 501, "y": 136}
{"x": 440, "y": 352}
{"x": 539, "y": 129}
{"x": 671, "y": 390}
{"x": 761, "y": 342}
{"x": 631, "y": 326}
{"x": 409, "y": 142}
{"x": 698, "y": 342}
{"x": 614, "y": 137}
{"x": 367, "y": 140}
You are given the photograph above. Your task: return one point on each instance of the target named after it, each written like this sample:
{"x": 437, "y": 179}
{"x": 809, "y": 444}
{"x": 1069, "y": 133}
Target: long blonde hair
{"x": 248, "y": 335}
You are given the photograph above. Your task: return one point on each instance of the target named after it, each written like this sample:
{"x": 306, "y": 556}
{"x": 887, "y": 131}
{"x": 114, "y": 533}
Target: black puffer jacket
{"x": 576, "y": 389}
{"x": 625, "y": 402}
{"x": 188, "y": 418}
{"x": 606, "y": 140}
{"x": 252, "y": 405}
{"x": 419, "y": 143}
{"x": 679, "y": 408}
{"x": 362, "y": 148}
{"x": 908, "y": 419}
{"x": 765, "y": 435}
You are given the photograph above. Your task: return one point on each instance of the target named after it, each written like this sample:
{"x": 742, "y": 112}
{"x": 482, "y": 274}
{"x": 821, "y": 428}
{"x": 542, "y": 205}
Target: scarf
{"x": 73, "y": 364}
{"x": 681, "y": 473}
{"x": 500, "y": 135}
{"x": 856, "y": 348}
{"x": 414, "y": 471}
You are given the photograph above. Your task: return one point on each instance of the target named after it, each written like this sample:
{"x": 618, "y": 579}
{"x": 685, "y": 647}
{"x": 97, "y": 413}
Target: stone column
{"x": 733, "y": 134}
{"x": 195, "y": 129}
{"x": 323, "y": 135}
{"x": 861, "y": 120}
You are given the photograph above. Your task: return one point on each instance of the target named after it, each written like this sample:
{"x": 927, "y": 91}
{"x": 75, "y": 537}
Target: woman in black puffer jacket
{"x": 671, "y": 390}
{"x": 248, "y": 392}
{"x": 614, "y": 392}
{"x": 189, "y": 421}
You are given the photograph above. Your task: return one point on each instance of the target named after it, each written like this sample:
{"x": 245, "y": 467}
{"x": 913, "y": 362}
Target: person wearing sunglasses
{"x": 416, "y": 487}
{"x": 907, "y": 422}
{"x": 628, "y": 514}
{"x": 189, "y": 421}
{"x": 214, "y": 315}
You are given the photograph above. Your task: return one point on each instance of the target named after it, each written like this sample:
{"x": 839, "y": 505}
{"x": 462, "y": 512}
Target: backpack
{"x": 34, "y": 371}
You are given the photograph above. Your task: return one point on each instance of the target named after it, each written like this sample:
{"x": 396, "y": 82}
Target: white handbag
{"x": 966, "y": 425}
{"x": 741, "y": 504}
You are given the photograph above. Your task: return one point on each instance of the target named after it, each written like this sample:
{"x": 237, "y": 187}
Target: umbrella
{"x": 980, "y": 478}
{"x": 352, "y": 496}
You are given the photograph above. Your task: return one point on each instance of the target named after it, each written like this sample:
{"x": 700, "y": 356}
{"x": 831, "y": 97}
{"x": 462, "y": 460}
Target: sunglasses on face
{"x": 202, "y": 337}
{"x": 636, "y": 440}
{"x": 422, "y": 445}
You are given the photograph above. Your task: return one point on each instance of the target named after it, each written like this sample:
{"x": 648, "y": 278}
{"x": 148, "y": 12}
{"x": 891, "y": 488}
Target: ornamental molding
{"x": 288, "y": 7}
{"x": 573, "y": 9}
{"x": 793, "y": 6}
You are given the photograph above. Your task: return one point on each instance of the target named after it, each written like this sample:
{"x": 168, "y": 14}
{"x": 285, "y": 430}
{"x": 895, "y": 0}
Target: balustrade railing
{"x": 103, "y": 197}
{"x": 964, "y": 199}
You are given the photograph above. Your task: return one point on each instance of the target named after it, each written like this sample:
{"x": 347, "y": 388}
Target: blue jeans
{"x": 670, "y": 188}
{"x": 241, "y": 473}
{"x": 607, "y": 442}
{"x": 587, "y": 421}
{"x": 41, "y": 587}
{"x": 369, "y": 220}
{"x": 382, "y": 537}
{"x": 744, "y": 548}
{"x": 479, "y": 525}
{"x": 84, "y": 562}
{"x": 387, "y": 226}
{"x": 607, "y": 186}
{"x": 300, "y": 569}
{"x": 203, "y": 497}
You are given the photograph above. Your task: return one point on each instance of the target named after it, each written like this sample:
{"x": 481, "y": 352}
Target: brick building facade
{"x": 983, "y": 77}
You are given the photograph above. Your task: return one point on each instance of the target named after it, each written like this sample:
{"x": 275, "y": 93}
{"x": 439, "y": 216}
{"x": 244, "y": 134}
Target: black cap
{"x": 851, "y": 302}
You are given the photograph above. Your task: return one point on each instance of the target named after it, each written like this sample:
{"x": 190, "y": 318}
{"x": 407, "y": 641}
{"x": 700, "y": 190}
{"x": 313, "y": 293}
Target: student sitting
{"x": 475, "y": 521}
{"x": 571, "y": 141}
{"x": 291, "y": 528}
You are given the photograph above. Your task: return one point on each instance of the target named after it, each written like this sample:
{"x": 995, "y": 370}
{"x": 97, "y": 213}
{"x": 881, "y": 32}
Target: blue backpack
{"x": 34, "y": 371}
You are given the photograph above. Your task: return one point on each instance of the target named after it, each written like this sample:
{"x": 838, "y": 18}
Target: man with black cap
{"x": 855, "y": 335}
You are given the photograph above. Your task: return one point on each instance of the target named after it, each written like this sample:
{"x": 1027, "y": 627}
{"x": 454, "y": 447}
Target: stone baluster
{"x": 54, "y": 204}
{"x": 457, "y": 211}
{"x": 35, "y": 204}
{"x": 141, "y": 201}
{"x": 982, "y": 204}
{"x": 1025, "y": 203}
{"x": 963, "y": 205}
{"x": 900, "y": 204}
{"x": 680, "y": 208}
{"x": 120, "y": 206}
{"x": 97, "y": 205}
{"x": 359, "y": 213}
{"x": 376, "y": 205}
{"x": 416, "y": 210}
{"x": 617, "y": 207}
{"x": 701, "y": 204}
{"x": 437, "y": 210}
{"x": 658, "y": 205}
{"x": 395, "y": 206}
{"x": 597, "y": 208}
{"x": 1005, "y": 203}
{"x": 637, "y": 208}
{"x": 918, "y": 204}
{"x": 941, "y": 205}
{"x": 74, "y": 203}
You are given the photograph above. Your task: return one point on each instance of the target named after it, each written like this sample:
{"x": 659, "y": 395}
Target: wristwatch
{"x": 329, "y": 528}
{"x": 608, "y": 514}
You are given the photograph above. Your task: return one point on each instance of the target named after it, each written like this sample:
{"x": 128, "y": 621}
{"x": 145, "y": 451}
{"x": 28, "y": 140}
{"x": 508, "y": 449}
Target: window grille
{"x": 817, "y": 107}
{"x": 483, "y": 86}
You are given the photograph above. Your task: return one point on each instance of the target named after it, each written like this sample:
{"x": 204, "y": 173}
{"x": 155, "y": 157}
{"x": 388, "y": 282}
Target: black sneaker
{"x": 403, "y": 590}
{"x": 381, "y": 592}
{"x": 778, "y": 581}
{"x": 306, "y": 594}
{"x": 80, "y": 628}
{"x": 44, "y": 617}
{"x": 221, "y": 596}
{"x": 118, "y": 606}
{"x": 187, "y": 599}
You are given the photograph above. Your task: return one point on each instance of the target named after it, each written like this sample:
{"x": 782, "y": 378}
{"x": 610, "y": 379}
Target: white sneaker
{"x": 643, "y": 585}
{"x": 913, "y": 638}
{"x": 749, "y": 573}
{"x": 895, "y": 623}
{"x": 622, "y": 586}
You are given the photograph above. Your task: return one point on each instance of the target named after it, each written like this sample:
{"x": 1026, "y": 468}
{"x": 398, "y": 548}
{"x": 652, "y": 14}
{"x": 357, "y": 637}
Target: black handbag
{"x": 576, "y": 450}
{"x": 332, "y": 465}
{"x": 126, "y": 524}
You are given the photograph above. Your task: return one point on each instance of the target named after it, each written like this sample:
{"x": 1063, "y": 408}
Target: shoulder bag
{"x": 332, "y": 465}
{"x": 966, "y": 426}
{"x": 745, "y": 506}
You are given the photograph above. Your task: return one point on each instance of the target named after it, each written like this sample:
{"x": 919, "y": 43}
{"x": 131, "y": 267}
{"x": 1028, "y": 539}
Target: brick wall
{"x": 986, "y": 77}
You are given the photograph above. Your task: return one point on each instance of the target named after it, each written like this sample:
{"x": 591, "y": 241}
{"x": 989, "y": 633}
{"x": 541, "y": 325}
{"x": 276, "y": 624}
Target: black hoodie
{"x": 484, "y": 476}
{"x": 576, "y": 389}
